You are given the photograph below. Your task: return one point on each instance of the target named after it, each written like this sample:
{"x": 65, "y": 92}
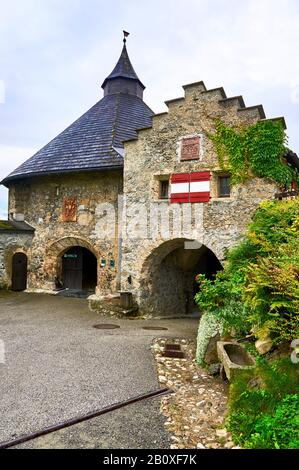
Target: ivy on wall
{"x": 254, "y": 151}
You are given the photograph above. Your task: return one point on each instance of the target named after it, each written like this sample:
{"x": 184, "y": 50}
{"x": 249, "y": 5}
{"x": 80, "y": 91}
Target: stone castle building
{"x": 128, "y": 200}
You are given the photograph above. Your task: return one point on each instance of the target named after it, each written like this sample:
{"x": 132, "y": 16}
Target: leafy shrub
{"x": 259, "y": 286}
{"x": 280, "y": 430}
{"x": 263, "y": 407}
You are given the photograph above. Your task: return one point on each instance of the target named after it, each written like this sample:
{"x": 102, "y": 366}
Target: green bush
{"x": 279, "y": 431}
{"x": 259, "y": 286}
{"x": 264, "y": 407}
{"x": 258, "y": 291}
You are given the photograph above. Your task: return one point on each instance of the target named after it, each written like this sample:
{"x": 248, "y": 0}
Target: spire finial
{"x": 126, "y": 34}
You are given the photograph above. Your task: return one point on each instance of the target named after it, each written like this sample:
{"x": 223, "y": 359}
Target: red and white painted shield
{"x": 190, "y": 187}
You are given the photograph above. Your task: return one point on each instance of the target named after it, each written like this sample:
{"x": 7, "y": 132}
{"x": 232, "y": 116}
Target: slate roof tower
{"x": 95, "y": 141}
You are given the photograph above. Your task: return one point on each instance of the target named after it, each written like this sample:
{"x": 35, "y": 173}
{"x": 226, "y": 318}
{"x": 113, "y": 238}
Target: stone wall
{"x": 68, "y": 210}
{"x": 217, "y": 224}
{"x": 42, "y": 201}
{"x": 11, "y": 243}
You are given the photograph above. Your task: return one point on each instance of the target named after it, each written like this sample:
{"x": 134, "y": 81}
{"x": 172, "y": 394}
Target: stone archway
{"x": 8, "y": 260}
{"x": 167, "y": 282}
{"x": 65, "y": 243}
{"x": 79, "y": 269}
{"x": 54, "y": 255}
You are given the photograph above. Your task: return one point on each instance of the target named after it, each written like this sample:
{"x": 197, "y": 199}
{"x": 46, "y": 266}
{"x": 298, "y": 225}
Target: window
{"x": 190, "y": 148}
{"x": 224, "y": 186}
{"x": 164, "y": 189}
{"x": 190, "y": 187}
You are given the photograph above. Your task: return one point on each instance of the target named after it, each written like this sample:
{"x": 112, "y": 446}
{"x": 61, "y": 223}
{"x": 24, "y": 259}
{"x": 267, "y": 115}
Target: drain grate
{"x": 174, "y": 354}
{"x": 173, "y": 350}
{"x": 172, "y": 347}
{"x": 106, "y": 326}
{"x": 154, "y": 328}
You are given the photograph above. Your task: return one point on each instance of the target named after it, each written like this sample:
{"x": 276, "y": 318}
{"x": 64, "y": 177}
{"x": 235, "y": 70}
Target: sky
{"x": 55, "y": 54}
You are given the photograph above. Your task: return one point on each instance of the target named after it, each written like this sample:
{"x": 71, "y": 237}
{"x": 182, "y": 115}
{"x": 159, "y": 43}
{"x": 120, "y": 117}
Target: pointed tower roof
{"x": 123, "y": 69}
{"x": 95, "y": 141}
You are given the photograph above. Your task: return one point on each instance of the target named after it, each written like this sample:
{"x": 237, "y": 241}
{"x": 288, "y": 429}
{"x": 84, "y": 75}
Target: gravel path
{"x": 196, "y": 410}
{"x": 58, "y": 366}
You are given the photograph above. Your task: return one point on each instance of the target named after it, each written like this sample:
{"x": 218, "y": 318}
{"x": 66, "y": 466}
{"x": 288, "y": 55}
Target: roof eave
{"x": 13, "y": 179}
{"x": 124, "y": 77}
{"x": 16, "y": 227}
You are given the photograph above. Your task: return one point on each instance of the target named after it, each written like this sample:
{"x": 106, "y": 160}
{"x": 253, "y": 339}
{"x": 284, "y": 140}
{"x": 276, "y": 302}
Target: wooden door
{"x": 19, "y": 272}
{"x": 72, "y": 268}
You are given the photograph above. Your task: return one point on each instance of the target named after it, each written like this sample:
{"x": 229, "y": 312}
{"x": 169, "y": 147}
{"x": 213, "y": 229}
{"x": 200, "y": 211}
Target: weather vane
{"x": 126, "y": 34}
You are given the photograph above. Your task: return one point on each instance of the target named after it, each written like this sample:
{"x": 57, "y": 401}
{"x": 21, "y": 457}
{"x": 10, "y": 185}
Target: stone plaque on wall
{"x": 69, "y": 210}
{"x": 190, "y": 148}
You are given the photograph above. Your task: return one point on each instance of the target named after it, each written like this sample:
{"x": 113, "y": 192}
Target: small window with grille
{"x": 224, "y": 186}
{"x": 164, "y": 189}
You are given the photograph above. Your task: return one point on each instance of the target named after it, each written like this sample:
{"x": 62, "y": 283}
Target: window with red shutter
{"x": 180, "y": 185}
{"x": 200, "y": 186}
{"x": 190, "y": 187}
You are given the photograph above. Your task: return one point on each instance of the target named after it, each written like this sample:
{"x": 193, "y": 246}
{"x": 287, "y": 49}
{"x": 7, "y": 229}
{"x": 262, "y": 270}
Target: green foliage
{"x": 259, "y": 286}
{"x": 253, "y": 151}
{"x": 271, "y": 288}
{"x": 222, "y": 299}
{"x": 5, "y": 225}
{"x": 263, "y": 407}
{"x": 279, "y": 431}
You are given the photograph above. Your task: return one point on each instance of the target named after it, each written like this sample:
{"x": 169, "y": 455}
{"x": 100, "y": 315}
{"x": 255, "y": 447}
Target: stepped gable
{"x": 218, "y": 95}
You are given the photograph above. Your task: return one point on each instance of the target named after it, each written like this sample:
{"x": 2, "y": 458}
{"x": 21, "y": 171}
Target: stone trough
{"x": 234, "y": 358}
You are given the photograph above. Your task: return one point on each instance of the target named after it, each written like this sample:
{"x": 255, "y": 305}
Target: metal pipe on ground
{"x": 81, "y": 419}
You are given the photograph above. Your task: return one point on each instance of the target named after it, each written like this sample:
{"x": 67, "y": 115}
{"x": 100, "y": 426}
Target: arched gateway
{"x": 167, "y": 281}
{"x": 79, "y": 269}
{"x": 75, "y": 263}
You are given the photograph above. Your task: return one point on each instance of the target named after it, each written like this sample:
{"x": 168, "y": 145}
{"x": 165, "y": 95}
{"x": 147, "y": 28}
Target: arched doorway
{"x": 19, "y": 272}
{"x": 79, "y": 269}
{"x": 168, "y": 277}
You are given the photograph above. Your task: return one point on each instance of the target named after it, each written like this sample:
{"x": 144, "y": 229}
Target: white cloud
{"x": 2, "y": 91}
{"x": 3, "y": 211}
{"x": 10, "y": 158}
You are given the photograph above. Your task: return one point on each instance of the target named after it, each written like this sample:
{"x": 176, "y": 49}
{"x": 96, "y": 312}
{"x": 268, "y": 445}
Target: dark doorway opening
{"x": 209, "y": 265}
{"x": 168, "y": 283}
{"x": 89, "y": 278}
{"x": 79, "y": 269}
{"x": 19, "y": 272}
{"x": 182, "y": 266}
